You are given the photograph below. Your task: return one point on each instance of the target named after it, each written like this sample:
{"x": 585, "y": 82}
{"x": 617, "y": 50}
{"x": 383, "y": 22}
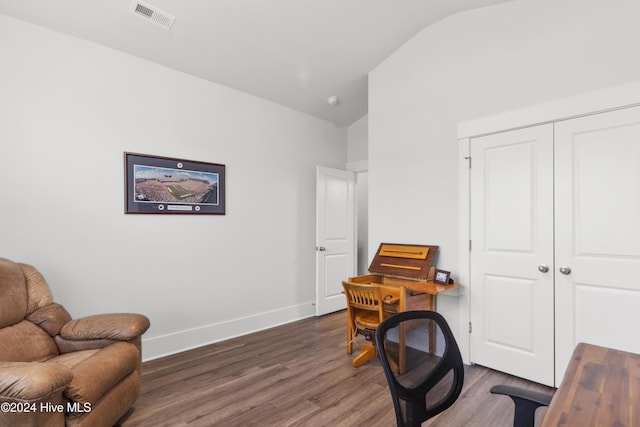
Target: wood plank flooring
{"x": 295, "y": 375}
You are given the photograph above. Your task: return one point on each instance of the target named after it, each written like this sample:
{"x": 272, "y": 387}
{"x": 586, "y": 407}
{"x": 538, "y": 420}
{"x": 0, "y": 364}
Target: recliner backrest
{"x": 23, "y": 291}
{"x": 13, "y": 294}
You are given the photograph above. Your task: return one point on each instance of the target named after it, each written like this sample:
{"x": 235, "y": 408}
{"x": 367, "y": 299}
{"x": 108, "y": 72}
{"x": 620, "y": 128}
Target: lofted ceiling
{"x": 297, "y": 53}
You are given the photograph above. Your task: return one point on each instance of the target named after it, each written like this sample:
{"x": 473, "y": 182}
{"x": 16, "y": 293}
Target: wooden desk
{"x": 418, "y": 294}
{"x": 400, "y": 295}
{"x": 601, "y": 388}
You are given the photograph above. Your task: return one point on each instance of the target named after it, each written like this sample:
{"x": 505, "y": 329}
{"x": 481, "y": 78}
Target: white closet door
{"x": 597, "y": 201}
{"x": 512, "y": 244}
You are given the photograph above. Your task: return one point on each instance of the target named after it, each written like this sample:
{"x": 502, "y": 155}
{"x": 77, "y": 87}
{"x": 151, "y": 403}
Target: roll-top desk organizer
{"x": 405, "y": 275}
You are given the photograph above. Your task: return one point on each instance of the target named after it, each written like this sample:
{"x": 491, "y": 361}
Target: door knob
{"x": 543, "y": 268}
{"x": 321, "y": 248}
{"x": 565, "y": 270}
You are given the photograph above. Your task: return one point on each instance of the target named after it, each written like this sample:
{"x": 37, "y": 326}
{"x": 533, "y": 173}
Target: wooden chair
{"x": 365, "y": 312}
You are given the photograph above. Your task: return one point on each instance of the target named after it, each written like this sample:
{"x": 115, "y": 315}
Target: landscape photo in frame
{"x": 167, "y": 185}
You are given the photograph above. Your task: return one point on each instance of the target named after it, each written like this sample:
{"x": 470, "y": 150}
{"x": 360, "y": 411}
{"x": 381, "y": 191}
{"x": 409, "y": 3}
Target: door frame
{"x": 359, "y": 167}
{"x": 595, "y": 102}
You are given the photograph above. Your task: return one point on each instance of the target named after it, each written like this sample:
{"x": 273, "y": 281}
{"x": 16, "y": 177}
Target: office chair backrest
{"x": 422, "y": 364}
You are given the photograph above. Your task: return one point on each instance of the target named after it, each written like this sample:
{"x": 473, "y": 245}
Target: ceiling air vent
{"x": 152, "y": 14}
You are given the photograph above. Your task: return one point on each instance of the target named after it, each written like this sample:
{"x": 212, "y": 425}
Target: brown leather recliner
{"x": 55, "y": 371}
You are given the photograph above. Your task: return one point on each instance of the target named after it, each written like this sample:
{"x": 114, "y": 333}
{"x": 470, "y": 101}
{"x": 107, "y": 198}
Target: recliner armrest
{"x": 30, "y": 382}
{"x": 113, "y": 326}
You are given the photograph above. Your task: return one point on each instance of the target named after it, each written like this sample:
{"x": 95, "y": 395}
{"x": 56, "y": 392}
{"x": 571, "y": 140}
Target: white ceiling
{"x": 293, "y": 52}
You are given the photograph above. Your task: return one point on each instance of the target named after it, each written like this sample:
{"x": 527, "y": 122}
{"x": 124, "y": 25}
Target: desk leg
{"x": 402, "y": 356}
{"x": 431, "y": 304}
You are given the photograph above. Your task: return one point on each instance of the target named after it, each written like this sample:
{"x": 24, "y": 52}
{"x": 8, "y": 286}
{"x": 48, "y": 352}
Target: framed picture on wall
{"x": 167, "y": 185}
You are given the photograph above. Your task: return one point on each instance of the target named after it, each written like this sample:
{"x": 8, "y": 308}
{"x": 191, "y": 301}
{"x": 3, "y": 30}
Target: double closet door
{"x": 555, "y": 235}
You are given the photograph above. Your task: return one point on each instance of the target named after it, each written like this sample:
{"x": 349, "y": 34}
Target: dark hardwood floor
{"x": 295, "y": 375}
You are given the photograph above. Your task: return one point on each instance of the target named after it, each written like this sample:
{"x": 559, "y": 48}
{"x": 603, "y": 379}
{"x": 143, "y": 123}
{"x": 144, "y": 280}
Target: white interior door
{"x": 597, "y": 232}
{"x": 511, "y": 255}
{"x": 335, "y": 237}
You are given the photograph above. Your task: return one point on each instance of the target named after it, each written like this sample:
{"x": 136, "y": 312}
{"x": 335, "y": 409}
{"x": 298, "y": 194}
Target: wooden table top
{"x": 420, "y": 286}
{"x": 601, "y": 388}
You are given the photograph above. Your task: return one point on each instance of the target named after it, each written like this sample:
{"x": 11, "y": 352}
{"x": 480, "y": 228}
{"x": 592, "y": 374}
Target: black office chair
{"x": 425, "y": 373}
{"x": 422, "y": 363}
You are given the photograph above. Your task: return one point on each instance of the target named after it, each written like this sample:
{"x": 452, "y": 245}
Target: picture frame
{"x": 442, "y": 277}
{"x": 168, "y": 185}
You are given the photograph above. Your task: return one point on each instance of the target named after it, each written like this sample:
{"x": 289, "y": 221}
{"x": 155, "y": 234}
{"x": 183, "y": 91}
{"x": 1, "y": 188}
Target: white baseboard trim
{"x": 176, "y": 342}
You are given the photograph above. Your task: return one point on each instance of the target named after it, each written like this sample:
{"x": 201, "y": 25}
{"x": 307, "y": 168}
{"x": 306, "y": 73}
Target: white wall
{"x": 358, "y": 140}
{"x": 68, "y": 111}
{"x": 467, "y": 66}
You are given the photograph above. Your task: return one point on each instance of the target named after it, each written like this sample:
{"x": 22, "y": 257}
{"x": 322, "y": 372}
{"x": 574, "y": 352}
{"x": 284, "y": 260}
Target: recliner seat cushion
{"x": 95, "y": 372}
